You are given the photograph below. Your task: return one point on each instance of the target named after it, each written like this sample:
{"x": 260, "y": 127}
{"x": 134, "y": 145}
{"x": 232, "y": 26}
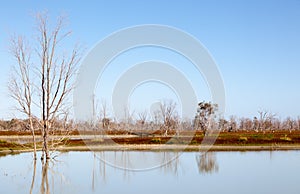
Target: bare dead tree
{"x": 104, "y": 115}
{"x": 248, "y": 123}
{"x": 168, "y": 113}
{"x": 156, "y": 117}
{"x": 265, "y": 119}
{"x": 298, "y": 123}
{"x": 128, "y": 118}
{"x": 223, "y": 124}
{"x": 289, "y": 124}
{"x": 276, "y": 124}
{"x": 242, "y": 124}
{"x": 55, "y": 70}
{"x": 232, "y": 123}
{"x": 186, "y": 124}
{"x": 142, "y": 118}
{"x": 55, "y": 73}
{"x": 21, "y": 84}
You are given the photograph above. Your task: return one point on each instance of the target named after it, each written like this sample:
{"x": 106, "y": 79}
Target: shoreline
{"x": 162, "y": 148}
{"x": 12, "y": 142}
{"x": 181, "y": 148}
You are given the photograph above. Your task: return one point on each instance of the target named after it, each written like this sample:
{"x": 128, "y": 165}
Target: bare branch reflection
{"x": 105, "y": 165}
{"x": 125, "y": 162}
{"x": 207, "y": 163}
{"x": 45, "y": 183}
{"x": 33, "y": 177}
{"x": 171, "y": 162}
{"x": 102, "y": 170}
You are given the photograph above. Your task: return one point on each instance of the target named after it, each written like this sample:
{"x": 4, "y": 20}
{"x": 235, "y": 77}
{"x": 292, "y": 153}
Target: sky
{"x": 255, "y": 44}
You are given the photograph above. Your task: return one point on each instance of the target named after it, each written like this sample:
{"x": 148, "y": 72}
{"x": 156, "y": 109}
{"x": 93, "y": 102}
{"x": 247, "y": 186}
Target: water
{"x": 153, "y": 172}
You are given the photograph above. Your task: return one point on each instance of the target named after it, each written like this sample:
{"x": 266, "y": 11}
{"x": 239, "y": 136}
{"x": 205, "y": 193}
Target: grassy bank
{"x": 13, "y": 141}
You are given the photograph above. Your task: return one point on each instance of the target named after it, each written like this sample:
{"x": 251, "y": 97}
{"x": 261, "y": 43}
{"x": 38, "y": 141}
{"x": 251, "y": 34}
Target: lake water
{"x": 153, "y": 172}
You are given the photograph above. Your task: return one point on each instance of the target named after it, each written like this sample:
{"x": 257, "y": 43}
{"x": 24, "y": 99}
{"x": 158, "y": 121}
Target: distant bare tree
{"x": 104, "y": 115}
{"x": 265, "y": 120}
{"x": 298, "y": 123}
{"x": 186, "y": 124}
{"x": 233, "y": 126}
{"x": 168, "y": 113}
{"x": 276, "y": 124}
{"x": 21, "y": 83}
{"x": 223, "y": 124}
{"x": 289, "y": 124}
{"x": 142, "y": 118}
{"x": 248, "y": 124}
{"x": 128, "y": 120}
{"x": 242, "y": 124}
{"x": 156, "y": 117}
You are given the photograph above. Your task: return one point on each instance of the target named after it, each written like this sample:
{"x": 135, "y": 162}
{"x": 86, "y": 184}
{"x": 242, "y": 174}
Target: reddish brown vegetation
{"x": 224, "y": 138}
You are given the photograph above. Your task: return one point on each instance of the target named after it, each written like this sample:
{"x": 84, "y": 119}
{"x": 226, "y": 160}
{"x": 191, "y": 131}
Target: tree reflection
{"x": 102, "y": 162}
{"x": 33, "y": 177}
{"x": 123, "y": 161}
{"x": 102, "y": 169}
{"x": 207, "y": 163}
{"x": 170, "y": 162}
{"x": 45, "y": 183}
{"x": 48, "y": 178}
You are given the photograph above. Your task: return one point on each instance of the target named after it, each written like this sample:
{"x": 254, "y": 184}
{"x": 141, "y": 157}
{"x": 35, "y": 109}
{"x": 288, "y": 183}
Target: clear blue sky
{"x": 256, "y": 44}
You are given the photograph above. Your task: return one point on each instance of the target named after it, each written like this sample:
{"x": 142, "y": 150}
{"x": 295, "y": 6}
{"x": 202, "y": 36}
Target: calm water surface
{"x": 153, "y": 172}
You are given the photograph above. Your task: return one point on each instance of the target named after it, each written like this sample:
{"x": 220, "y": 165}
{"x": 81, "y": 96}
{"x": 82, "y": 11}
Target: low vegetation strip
{"x": 115, "y": 140}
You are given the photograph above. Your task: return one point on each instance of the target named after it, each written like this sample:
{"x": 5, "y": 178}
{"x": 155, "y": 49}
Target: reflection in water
{"x": 94, "y": 173}
{"x": 33, "y": 177}
{"x": 207, "y": 163}
{"x": 122, "y": 162}
{"x": 85, "y": 172}
{"x": 45, "y": 183}
{"x": 101, "y": 170}
{"x": 44, "y": 186}
{"x": 171, "y": 162}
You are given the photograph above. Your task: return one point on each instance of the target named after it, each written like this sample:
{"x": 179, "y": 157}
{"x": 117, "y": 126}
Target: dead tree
{"x": 142, "y": 118}
{"x": 298, "y": 123}
{"x": 104, "y": 115}
{"x": 21, "y": 85}
{"x": 223, "y": 124}
{"x": 128, "y": 120}
{"x": 169, "y": 115}
{"x": 289, "y": 124}
{"x": 55, "y": 70}
{"x": 233, "y": 126}
{"x": 265, "y": 120}
{"x": 55, "y": 73}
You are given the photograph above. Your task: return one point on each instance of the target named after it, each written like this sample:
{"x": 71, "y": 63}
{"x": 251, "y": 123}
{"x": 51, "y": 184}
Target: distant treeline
{"x": 263, "y": 122}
